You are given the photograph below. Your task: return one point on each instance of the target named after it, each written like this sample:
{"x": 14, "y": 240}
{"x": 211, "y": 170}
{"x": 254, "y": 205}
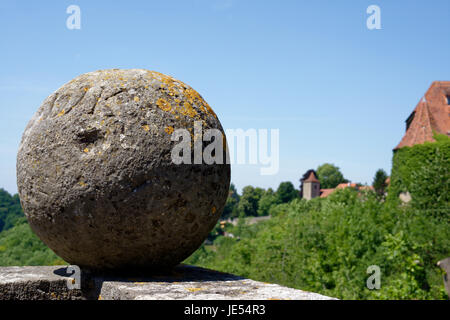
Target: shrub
{"x": 423, "y": 171}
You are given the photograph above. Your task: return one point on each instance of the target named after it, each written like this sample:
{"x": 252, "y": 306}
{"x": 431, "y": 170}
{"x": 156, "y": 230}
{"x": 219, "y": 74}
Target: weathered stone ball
{"x": 96, "y": 175}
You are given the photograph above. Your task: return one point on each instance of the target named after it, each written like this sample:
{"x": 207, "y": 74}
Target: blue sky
{"x": 337, "y": 91}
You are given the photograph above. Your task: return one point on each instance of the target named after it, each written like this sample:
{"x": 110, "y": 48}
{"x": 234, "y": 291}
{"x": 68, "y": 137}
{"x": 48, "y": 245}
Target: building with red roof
{"x": 326, "y": 192}
{"x": 431, "y": 115}
{"x": 346, "y": 185}
{"x": 312, "y": 178}
{"x": 310, "y": 186}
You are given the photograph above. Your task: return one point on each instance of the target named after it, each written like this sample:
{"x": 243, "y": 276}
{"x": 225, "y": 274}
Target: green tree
{"x": 10, "y": 210}
{"x": 379, "y": 182}
{"x": 267, "y": 201}
{"x": 286, "y": 192}
{"x": 329, "y": 176}
{"x": 231, "y": 205}
{"x": 19, "y": 246}
{"x": 248, "y": 203}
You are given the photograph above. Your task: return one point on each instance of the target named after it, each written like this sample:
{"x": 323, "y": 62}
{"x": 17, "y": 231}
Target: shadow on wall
{"x": 92, "y": 282}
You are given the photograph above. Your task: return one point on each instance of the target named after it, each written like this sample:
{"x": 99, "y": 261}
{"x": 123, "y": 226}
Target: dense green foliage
{"x": 257, "y": 201}
{"x": 267, "y": 201}
{"x": 329, "y": 176}
{"x": 286, "y": 192}
{"x": 379, "y": 182}
{"x": 230, "y": 209}
{"x": 248, "y": 203}
{"x": 10, "y": 210}
{"x": 423, "y": 171}
{"x": 326, "y": 246}
{"x": 18, "y": 244}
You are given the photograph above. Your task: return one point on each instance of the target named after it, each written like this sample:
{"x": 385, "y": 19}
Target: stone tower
{"x": 311, "y": 187}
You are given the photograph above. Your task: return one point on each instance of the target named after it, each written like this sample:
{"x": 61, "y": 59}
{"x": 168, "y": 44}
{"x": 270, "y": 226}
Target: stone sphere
{"x": 96, "y": 175}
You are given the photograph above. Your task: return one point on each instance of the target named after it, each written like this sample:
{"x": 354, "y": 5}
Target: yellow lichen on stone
{"x": 168, "y": 129}
{"x": 193, "y": 289}
{"x": 174, "y": 88}
{"x": 192, "y": 95}
{"x": 210, "y": 110}
{"x": 203, "y": 109}
{"x": 188, "y": 110}
{"x": 63, "y": 111}
{"x": 136, "y": 99}
{"x": 82, "y": 183}
{"x": 146, "y": 127}
{"x": 163, "y": 104}
{"x": 86, "y": 150}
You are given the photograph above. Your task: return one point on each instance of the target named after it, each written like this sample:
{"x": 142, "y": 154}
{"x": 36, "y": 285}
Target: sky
{"x": 337, "y": 91}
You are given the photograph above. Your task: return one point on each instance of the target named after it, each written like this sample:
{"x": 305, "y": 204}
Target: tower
{"x": 311, "y": 186}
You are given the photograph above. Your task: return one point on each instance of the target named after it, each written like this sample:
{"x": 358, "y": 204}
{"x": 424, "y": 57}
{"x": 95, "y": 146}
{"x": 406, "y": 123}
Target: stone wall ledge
{"x": 183, "y": 282}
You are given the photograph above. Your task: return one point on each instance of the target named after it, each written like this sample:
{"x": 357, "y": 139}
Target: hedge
{"x": 423, "y": 171}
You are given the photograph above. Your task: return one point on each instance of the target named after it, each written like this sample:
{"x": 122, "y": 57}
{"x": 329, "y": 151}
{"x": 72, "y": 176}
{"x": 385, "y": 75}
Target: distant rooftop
{"x": 326, "y": 192}
{"x": 312, "y": 178}
{"x": 346, "y": 185}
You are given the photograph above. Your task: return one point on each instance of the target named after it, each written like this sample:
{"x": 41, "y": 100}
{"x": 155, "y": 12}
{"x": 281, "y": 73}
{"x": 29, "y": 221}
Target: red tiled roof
{"x": 432, "y": 113}
{"x": 346, "y": 185}
{"x": 326, "y": 192}
{"x": 312, "y": 178}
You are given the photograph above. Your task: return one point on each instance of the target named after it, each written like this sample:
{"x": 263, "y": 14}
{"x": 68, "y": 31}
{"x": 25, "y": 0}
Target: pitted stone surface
{"x": 35, "y": 283}
{"x": 96, "y": 179}
{"x": 181, "y": 283}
